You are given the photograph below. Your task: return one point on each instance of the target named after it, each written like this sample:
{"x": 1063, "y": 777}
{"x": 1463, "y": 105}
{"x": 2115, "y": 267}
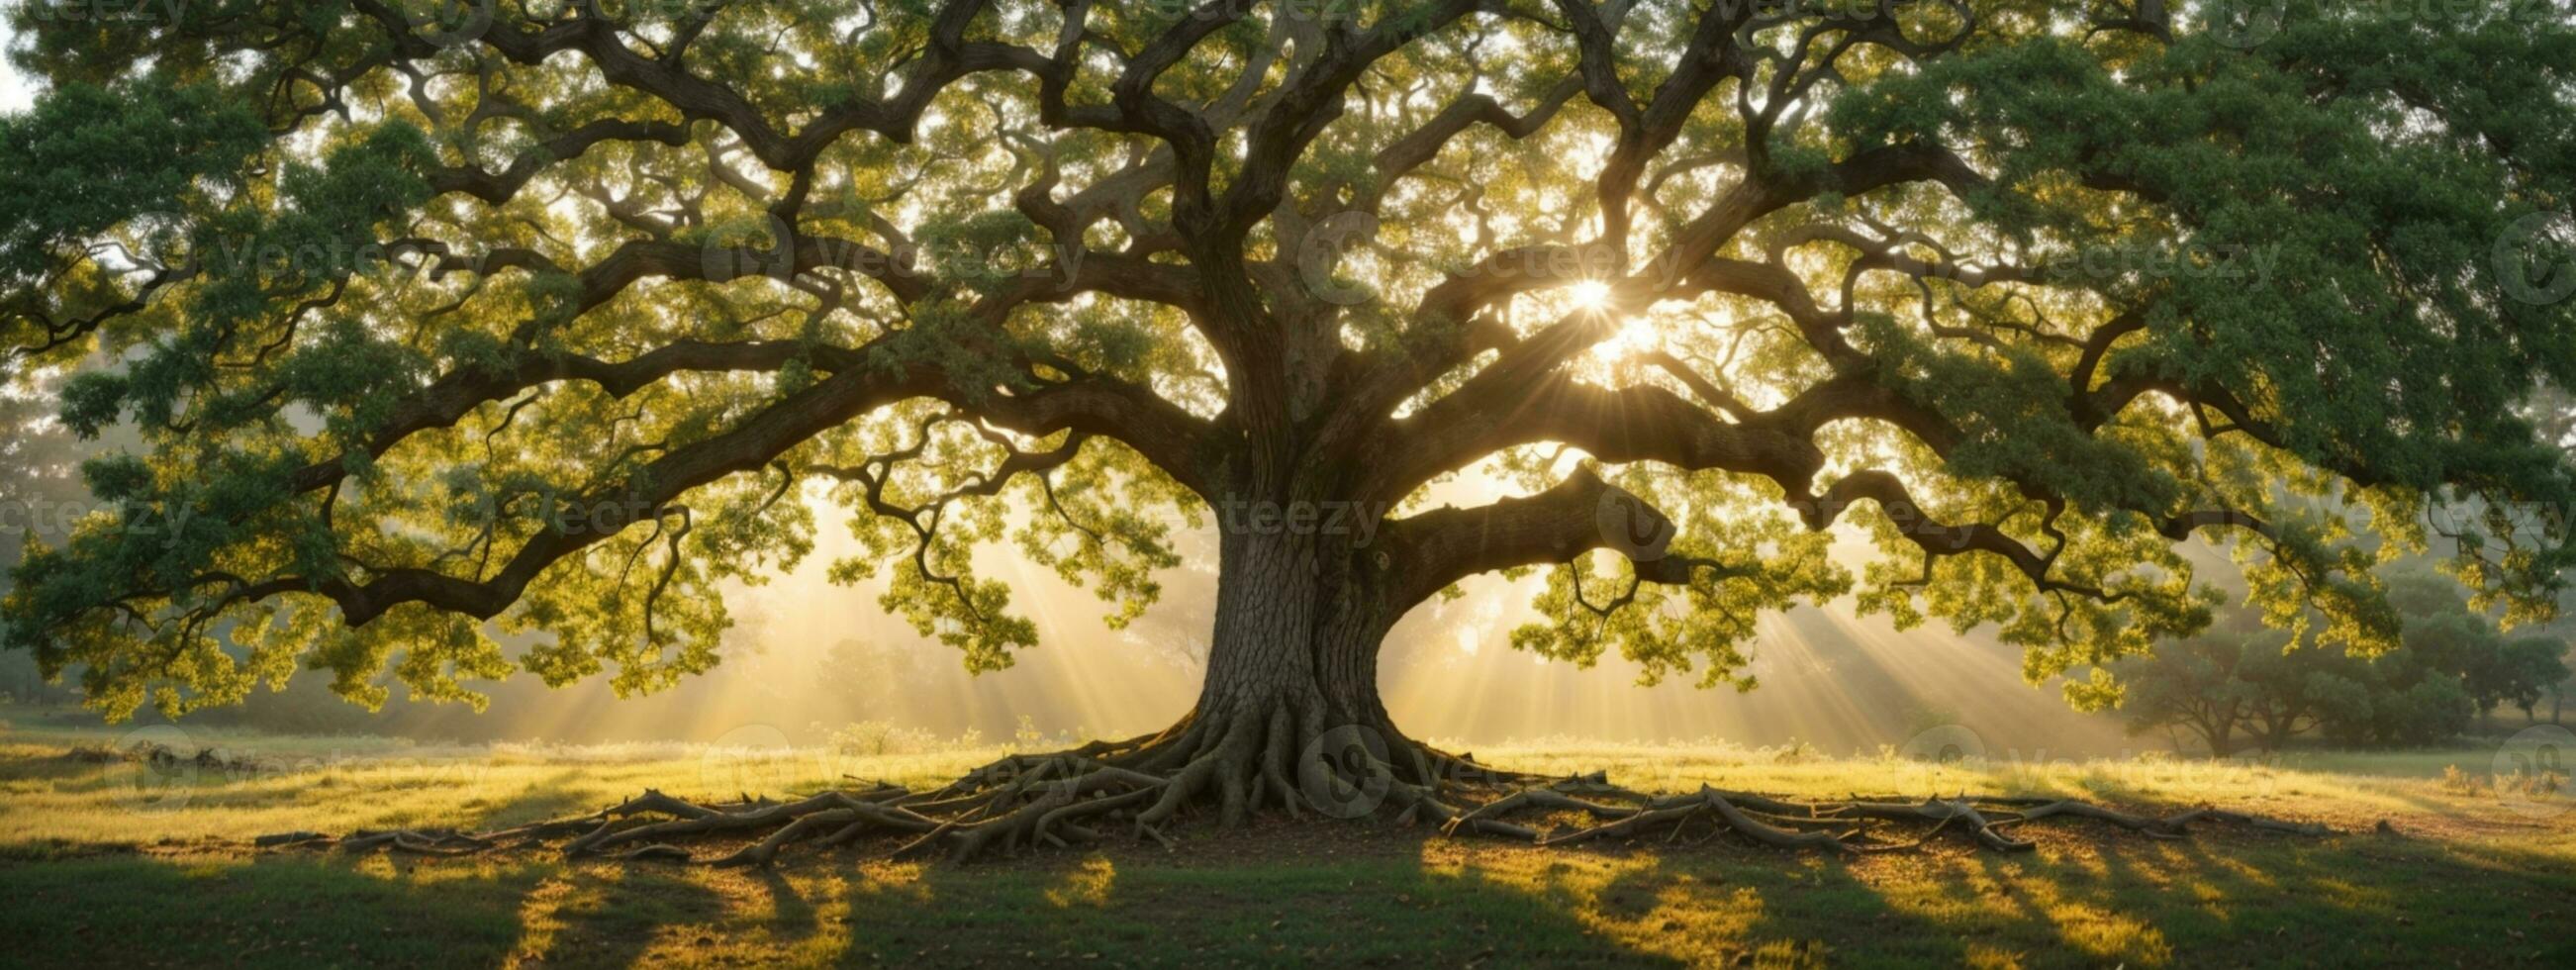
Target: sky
{"x": 14, "y": 95}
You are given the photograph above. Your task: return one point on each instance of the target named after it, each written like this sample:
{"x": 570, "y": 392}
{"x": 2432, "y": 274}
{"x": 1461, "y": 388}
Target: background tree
{"x": 2552, "y": 412}
{"x": 41, "y": 498}
{"x": 548, "y": 321}
{"x": 2240, "y": 682}
{"x": 2243, "y": 680}
{"x": 2447, "y": 638}
{"x": 2529, "y": 668}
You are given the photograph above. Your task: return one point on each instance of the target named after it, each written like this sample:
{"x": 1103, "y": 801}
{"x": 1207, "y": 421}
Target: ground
{"x": 118, "y": 863}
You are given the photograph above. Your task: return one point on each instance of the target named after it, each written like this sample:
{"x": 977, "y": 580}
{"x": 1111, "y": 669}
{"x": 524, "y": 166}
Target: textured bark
{"x": 1263, "y": 649}
{"x": 1289, "y": 712}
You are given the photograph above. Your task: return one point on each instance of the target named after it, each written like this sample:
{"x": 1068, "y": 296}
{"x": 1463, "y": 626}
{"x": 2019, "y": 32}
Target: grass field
{"x": 117, "y": 863}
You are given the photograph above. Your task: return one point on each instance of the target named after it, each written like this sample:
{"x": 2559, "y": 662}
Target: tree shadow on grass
{"x": 612, "y": 915}
{"x": 2086, "y": 898}
{"x": 281, "y": 910}
{"x": 1336, "y": 893}
{"x": 2175, "y": 797}
{"x": 1140, "y": 905}
{"x": 319, "y": 909}
{"x": 558, "y": 795}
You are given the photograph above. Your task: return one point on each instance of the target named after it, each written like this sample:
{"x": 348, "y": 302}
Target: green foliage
{"x": 552, "y": 333}
{"x": 2244, "y": 681}
{"x": 2347, "y": 161}
{"x": 1741, "y": 567}
{"x": 88, "y": 159}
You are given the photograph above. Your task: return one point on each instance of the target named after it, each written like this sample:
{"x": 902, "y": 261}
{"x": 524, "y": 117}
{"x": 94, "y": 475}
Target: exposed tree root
{"x": 1143, "y": 785}
{"x": 1839, "y": 826}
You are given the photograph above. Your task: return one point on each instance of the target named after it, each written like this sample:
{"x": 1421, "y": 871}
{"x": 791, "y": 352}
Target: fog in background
{"x": 807, "y": 657}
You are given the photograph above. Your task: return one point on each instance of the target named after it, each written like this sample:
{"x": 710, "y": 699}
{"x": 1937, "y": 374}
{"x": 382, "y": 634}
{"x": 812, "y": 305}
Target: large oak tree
{"x": 546, "y": 318}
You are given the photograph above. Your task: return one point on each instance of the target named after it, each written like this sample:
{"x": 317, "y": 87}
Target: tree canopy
{"x": 438, "y": 324}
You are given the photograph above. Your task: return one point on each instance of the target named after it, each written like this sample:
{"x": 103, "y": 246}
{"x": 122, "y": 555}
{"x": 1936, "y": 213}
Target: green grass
{"x": 111, "y": 863}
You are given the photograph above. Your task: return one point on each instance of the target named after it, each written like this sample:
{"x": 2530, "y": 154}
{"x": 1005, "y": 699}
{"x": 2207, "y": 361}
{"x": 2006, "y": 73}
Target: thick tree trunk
{"x": 1289, "y": 713}
{"x": 1296, "y": 630}
{"x": 1260, "y": 654}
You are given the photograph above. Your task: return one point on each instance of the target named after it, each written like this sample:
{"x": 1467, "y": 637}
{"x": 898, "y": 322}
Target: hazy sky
{"x": 13, "y": 88}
